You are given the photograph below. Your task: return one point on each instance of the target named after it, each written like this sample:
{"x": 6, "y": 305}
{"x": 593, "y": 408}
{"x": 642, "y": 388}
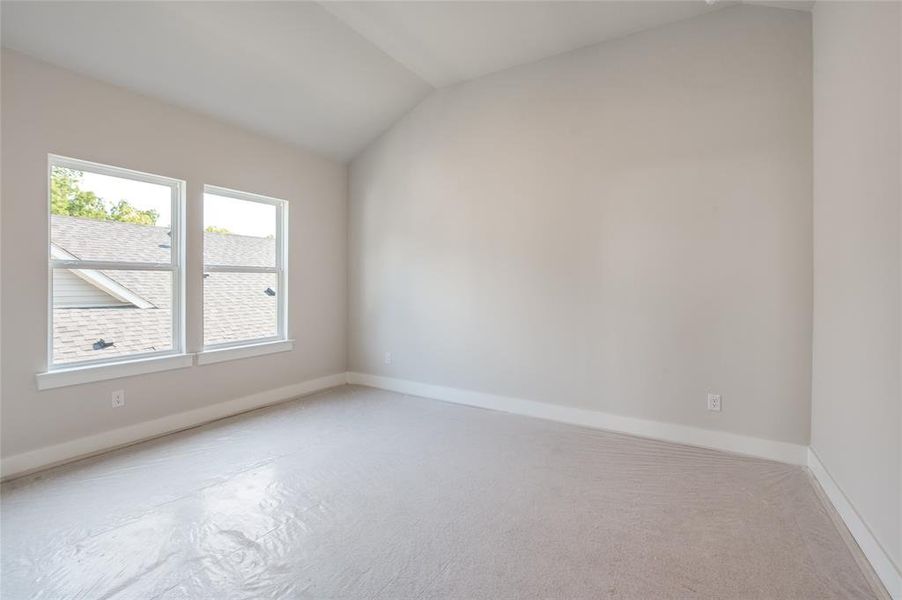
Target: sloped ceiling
{"x": 328, "y": 76}
{"x": 449, "y": 42}
{"x": 290, "y": 70}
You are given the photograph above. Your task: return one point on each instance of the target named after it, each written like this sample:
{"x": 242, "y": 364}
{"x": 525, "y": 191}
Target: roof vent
{"x": 101, "y": 344}
{"x": 269, "y": 292}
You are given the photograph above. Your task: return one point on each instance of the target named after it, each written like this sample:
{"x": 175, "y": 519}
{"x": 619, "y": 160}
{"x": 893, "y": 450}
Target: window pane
{"x": 107, "y": 314}
{"x": 239, "y": 306}
{"x": 239, "y": 232}
{"x": 100, "y": 217}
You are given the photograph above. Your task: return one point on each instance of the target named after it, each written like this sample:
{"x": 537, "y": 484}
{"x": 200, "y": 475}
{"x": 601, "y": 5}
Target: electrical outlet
{"x": 714, "y": 402}
{"x": 118, "y": 398}
{"x": 388, "y": 358}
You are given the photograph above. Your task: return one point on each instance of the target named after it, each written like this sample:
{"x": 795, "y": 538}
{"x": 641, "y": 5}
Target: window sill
{"x": 78, "y": 375}
{"x": 208, "y": 357}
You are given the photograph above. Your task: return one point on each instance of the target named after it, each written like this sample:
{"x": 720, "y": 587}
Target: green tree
{"x": 215, "y": 229}
{"x": 129, "y": 214}
{"x": 67, "y": 198}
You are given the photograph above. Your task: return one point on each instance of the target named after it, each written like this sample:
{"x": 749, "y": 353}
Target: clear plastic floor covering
{"x": 359, "y": 493}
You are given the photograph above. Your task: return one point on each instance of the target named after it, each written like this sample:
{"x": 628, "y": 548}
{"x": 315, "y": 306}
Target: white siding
{"x": 71, "y": 291}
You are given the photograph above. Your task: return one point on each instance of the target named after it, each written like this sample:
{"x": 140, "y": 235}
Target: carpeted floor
{"x": 359, "y": 493}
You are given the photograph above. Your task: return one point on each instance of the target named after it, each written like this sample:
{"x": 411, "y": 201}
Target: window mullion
{"x": 103, "y": 265}
{"x": 239, "y": 269}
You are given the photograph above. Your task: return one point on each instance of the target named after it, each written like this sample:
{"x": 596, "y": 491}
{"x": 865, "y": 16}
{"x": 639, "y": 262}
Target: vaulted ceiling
{"x": 327, "y": 76}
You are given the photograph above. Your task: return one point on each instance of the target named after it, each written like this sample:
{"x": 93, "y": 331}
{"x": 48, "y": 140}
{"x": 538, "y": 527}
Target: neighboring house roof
{"x": 96, "y": 279}
{"x": 236, "y": 304}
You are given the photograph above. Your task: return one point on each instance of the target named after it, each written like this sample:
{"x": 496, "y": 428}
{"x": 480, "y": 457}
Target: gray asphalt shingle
{"x": 236, "y": 305}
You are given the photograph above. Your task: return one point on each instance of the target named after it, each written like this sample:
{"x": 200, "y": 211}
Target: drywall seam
{"x": 694, "y": 436}
{"x": 888, "y": 572}
{"x": 42, "y": 458}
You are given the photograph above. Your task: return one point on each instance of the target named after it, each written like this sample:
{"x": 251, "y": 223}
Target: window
{"x": 245, "y": 242}
{"x": 115, "y": 260}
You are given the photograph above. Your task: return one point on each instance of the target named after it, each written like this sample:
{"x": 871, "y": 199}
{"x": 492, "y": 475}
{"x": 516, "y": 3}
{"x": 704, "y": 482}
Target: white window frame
{"x": 175, "y": 266}
{"x": 253, "y": 346}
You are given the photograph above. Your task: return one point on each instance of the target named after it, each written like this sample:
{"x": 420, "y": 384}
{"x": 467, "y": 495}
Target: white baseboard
{"x": 883, "y": 565}
{"x": 42, "y": 458}
{"x": 694, "y": 436}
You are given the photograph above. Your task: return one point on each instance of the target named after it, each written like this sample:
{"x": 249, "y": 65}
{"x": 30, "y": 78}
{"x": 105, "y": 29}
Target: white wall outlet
{"x": 388, "y": 358}
{"x": 714, "y": 402}
{"x": 118, "y": 398}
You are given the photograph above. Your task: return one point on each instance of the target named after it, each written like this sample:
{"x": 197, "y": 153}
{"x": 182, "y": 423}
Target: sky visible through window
{"x": 239, "y": 216}
{"x": 140, "y": 194}
{"x": 235, "y": 216}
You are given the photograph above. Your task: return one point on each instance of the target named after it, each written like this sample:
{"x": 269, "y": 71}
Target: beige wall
{"x": 50, "y": 110}
{"x": 857, "y": 398}
{"x": 622, "y": 228}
